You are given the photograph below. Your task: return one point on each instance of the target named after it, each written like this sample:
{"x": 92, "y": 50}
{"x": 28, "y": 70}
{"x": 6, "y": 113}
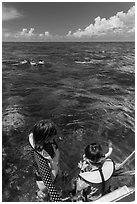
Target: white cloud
{"x": 9, "y": 13}
{"x": 69, "y": 33}
{"x": 6, "y": 35}
{"x": 47, "y": 33}
{"x": 121, "y": 22}
{"x": 27, "y": 33}
{"x": 24, "y": 31}
{"x": 120, "y": 25}
{"x": 132, "y": 30}
{"x": 44, "y": 35}
{"x": 30, "y": 33}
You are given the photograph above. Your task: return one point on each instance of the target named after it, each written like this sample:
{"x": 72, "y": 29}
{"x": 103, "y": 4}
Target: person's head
{"x": 43, "y": 132}
{"x": 94, "y": 152}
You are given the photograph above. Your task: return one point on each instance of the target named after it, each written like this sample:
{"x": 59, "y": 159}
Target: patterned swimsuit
{"x": 43, "y": 172}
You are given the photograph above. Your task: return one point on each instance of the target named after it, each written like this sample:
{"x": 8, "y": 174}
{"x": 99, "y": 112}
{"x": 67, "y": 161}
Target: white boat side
{"x": 117, "y": 195}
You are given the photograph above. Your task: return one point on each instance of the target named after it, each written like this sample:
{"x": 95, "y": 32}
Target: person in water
{"x": 45, "y": 155}
{"x": 96, "y": 170}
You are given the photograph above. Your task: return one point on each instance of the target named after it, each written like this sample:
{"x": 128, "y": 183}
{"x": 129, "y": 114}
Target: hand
{"x": 109, "y": 143}
{"x": 80, "y": 165}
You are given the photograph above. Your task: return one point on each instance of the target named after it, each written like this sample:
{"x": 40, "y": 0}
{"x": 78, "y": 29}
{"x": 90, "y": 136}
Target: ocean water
{"x": 87, "y": 89}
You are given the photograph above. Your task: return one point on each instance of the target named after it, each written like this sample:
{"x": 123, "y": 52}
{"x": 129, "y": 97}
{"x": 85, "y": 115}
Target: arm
{"x": 110, "y": 150}
{"x": 83, "y": 164}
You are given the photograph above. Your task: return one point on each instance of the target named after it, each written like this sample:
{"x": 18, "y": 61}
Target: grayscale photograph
{"x": 68, "y": 101}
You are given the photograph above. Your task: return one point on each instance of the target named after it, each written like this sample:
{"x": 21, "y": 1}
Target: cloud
{"x": 30, "y": 33}
{"x": 69, "y": 33}
{"x": 132, "y": 30}
{"x": 6, "y": 35}
{"x": 9, "y": 13}
{"x": 119, "y": 26}
{"x": 47, "y": 33}
{"x": 120, "y": 23}
{"x": 41, "y": 35}
{"x": 27, "y": 33}
{"x": 24, "y": 31}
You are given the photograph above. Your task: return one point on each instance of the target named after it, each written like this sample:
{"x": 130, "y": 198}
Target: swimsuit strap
{"x": 103, "y": 180}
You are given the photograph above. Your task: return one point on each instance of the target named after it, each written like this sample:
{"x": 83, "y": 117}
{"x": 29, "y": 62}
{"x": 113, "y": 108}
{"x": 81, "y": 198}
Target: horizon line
{"x": 63, "y": 41}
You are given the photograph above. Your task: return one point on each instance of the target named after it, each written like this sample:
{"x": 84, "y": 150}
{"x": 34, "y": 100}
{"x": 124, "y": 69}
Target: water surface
{"x": 87, "y": 89}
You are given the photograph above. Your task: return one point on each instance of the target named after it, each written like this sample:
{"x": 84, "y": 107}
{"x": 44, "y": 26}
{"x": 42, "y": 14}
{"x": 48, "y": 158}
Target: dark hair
{"x": 42, "y": 131}
{"x": 94, "y": 152}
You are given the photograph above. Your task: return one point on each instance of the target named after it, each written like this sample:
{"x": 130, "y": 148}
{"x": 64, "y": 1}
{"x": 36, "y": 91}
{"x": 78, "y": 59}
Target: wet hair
{"x": 94, "y": 152}
{"x": 42, "y": 132}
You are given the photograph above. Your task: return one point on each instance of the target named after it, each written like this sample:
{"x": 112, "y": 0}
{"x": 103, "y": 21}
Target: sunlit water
{"x": 87, "y": 89}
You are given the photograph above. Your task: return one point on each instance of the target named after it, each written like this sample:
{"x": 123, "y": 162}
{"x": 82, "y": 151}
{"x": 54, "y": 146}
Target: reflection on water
{"x": 87, "y": 89}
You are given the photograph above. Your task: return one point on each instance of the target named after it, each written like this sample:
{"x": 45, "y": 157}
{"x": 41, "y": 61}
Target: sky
{"x": 68, "y": 21}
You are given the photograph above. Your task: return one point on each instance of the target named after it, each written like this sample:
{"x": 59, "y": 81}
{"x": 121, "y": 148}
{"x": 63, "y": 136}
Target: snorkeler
{"x": 45, "y": 155}
{"x": 96, "y": 171}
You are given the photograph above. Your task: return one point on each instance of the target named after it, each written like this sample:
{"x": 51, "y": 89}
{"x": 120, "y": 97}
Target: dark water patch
{"x": 125, "y": 79}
